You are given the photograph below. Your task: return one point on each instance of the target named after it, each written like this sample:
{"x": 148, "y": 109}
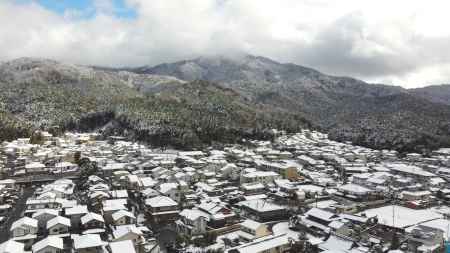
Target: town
{"x": 301, "y": 192}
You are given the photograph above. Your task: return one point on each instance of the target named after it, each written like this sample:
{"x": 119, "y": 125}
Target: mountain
{"x": 373, "y": 115}
{"x": 162, "y": 110}
{"x": 434, "y": 93}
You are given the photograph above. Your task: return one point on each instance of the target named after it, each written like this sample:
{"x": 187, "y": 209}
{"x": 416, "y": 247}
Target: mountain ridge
{"x": 337, "y": 105}
{"x": 48, "y": 95}
{"x": 216, "y": 99}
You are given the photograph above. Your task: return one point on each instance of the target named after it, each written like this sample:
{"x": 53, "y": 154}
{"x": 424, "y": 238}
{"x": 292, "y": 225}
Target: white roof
{"x": 91, "y": 216}
{"x": 122, "y": 246}
{"x": 355, "y": 189}
{"x": 251, "y": 224}
{"x": 264, "y": 243}
{"x": 120, "y": 231}
{"x": 122, "y": 213}
{"x": 409, "y": 169}
{"x": 7, "y": 181}
{"x": 24, "y": 221}
{"x": 77, "y": 210}
{"x": 148, "y": 181}
{"x": 321, "y": 214}
{"x": 192, "y": 214}
{"x": 58, "y": 220}
{"x": 336, "y": 244}
{"x": 50, "y": 241}
{"x": 34, "y": 165}
{"x": 166, "y": 187}
{"x": 64, "y": 164}
{"x": 87, "y": 241}
{"x": 261, "y": 205}
{"x": 403, "y": 216}
{"x": 261, "y": 174}
{"x": 119, "y": 194}
{"x": 12, "y": 246}
{"x": 252, "y": 186}
{"x": 160, "y": 201}
{"x": 45, "y": 211}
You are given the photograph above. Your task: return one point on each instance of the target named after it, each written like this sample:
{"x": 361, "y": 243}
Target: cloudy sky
{"x": 401, "y": 42}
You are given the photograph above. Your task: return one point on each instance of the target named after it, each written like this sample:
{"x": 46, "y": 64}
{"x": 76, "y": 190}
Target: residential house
{"x": 44, "y": 215}
{"x": 192, "y": 222}
{"x": 12, "y": 246}
{"x": 218, "y": 215}
{"x": 162, "y": 209}
{"x": 251, "y": 230}
{"x": 58, "y": 226}
{"x": 90, "y": 243}
{"x": 123, "y": 217}
{"x": 75, "y": 213}
{"x": 422, "y": 238}
{"x": 262, "y": 210}
{"x": 93, "y": 221}
{"x": 51, "y": 244}
{"x": 24, "y": 230}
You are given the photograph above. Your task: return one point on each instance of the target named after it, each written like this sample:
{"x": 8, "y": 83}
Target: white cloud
{"x": 399, "y": 42}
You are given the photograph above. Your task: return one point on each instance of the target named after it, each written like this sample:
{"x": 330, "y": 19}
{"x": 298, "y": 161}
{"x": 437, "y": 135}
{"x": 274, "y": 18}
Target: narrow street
{"x": 16, "y": 212}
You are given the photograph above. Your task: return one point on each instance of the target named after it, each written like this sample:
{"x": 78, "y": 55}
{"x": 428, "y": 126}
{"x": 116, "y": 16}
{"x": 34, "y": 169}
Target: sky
{"x": 401, "y": 42}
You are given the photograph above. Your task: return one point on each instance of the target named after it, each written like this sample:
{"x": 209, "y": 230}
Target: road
{"x": 16, "y": 213}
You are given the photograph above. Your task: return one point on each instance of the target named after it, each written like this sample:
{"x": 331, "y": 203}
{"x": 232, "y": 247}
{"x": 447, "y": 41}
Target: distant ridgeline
{"x": 237, "y": 98}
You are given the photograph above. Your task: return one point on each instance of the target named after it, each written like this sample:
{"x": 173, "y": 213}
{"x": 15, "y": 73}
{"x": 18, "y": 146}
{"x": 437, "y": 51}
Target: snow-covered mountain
{"x": 375, "y": 115}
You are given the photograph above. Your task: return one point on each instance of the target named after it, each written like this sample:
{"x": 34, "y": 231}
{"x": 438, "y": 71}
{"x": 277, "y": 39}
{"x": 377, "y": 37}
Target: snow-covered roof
{"x": 40, "y": 212}
{"x": 409, "y": 169}
{"x": 119, "y": 194}
{"x": 24, "y": 221}
{"x": 401, "y": 217}
{"x": 336, "y": 244}
{"x": 320, "y": 214}
{"x": 34, "y": 165}
{"x": 261, "y": 205}
{"x": 167, "y": 187}
{"x": 355, "y": 189}
{"x": 263, "y": 244}
{"x": 192, "y": 214}
{"x": 251, "y": 224}
{"x": 122, "y": 246}
{"x": 12, "y": 246}
{"x": 50, "y": 241}
{"x": 160, "y": 201}
{"x": 122, "y": 213}
{"x": 87, "y": 241}
{"x": 81, "y": 209}
{"x": 91, "y": 216}
{"x": 121, "y": 231}
{"x": 58, "y": 220}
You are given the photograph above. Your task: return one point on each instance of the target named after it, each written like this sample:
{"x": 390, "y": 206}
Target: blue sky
{"x": 86, "y": 6}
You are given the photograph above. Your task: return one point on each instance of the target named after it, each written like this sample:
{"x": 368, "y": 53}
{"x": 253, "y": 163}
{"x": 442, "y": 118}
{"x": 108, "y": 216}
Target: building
{"x": 58, "y": 226}
{"x": 51, "y": 244}
{"x": 251, "y": 230}
{"x": 262, "y": 210}
{"x": 192, "y": 222}
{"x": 161, "y": 209}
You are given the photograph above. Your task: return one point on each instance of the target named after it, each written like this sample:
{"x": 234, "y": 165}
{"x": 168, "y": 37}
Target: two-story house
{"x": 192, "y": 222}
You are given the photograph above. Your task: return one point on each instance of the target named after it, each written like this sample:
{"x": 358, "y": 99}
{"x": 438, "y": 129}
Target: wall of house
{"x": 49, "y": 249}
{"x": 58, "y": 229}
{"x": 262, "y": 231}
{"x": 21, "y": 231}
